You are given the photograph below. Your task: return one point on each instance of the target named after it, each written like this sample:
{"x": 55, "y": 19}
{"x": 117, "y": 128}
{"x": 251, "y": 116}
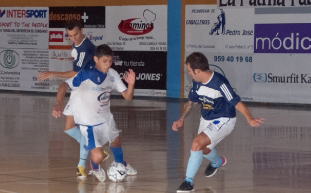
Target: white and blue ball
{"x": 116, "y": 172}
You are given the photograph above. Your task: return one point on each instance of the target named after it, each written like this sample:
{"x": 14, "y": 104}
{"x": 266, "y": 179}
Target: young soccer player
{"x": 83, "y": 54}
{"x": 90, "y": 106}
{"x": 218, "y": 116}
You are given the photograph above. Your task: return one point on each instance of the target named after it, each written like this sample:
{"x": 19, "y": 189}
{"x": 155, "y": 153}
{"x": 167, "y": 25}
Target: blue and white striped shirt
{"x": 217, "y": 97}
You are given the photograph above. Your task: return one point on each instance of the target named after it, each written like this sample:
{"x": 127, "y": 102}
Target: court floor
{"x": 37, "y": 157}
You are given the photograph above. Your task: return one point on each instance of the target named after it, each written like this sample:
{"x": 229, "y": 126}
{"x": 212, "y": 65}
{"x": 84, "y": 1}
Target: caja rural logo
{"x": 9, "y": 59}
{"x": 138, "y": 26}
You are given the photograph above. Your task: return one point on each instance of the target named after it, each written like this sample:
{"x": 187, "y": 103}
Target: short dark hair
{"x": 73, "y": 23}
{"x": 103, "y": 50}
{"x": 197, "y": 60}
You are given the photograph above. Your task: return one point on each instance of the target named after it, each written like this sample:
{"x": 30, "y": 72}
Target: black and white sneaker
{"x": 185, "y": 187}
{"x": 210, "y": 170}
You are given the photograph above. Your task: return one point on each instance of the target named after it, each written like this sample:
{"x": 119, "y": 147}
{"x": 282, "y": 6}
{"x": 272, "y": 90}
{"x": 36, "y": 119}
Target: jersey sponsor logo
{"x": 104, "y": 98}
{"x": 21, "y": 13}
{"x": 207, "y": 107}
{"x": 56, "y": 36}
{"x": 138, "y": 26}
{"x": 9, "y": 59}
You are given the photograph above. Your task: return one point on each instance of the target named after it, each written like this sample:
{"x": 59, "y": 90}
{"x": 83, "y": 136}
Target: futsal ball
{"x": 116, "y": 172}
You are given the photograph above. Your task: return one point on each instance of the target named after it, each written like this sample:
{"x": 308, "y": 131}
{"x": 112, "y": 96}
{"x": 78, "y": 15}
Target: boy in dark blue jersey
{"x": 83, "y": 55}
{"x": 218, "y": 116}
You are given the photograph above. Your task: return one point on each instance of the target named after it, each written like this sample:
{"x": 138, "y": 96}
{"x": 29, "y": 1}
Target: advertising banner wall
{"x": 209, "y": 29}
{"x": 269, "y": 64}
{"x": 141, "y": 28}
{"x": 150, "y": 69}
{"x": 24, "y": 27}
{"x": 137, "y": 34}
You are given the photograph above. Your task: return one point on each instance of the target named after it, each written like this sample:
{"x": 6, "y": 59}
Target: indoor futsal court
{"x": 36, "y": 156}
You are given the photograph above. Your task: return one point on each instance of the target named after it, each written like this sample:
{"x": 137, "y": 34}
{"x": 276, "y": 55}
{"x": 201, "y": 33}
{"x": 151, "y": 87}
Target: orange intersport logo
{"x": 138, "y": 26}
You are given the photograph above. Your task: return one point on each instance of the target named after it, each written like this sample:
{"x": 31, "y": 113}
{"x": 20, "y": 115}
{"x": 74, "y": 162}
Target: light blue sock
{"x": 83, "y": 152}
{"x": 214, "y": 158}
{"x": 74, "y": 133}
{"x": 193, "y": 166}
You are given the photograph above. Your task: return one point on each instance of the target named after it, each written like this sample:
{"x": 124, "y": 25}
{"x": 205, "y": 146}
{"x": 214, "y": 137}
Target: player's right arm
{"x": 50, "y": 74}
{"x": 180, "y": 122}
{"x": 58, "y": 107}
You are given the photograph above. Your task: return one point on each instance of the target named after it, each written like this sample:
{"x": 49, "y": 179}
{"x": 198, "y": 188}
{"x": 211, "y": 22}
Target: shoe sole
{"x": 81, "y": 177}
{"x": 133, "y": 174}
{"x": 185, "y": 190}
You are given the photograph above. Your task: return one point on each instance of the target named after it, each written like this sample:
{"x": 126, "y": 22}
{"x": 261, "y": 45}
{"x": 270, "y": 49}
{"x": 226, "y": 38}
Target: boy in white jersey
{"x": 90, "y": 106}
{"x": 218, "y": 103}
{"x": 83, "y": 54}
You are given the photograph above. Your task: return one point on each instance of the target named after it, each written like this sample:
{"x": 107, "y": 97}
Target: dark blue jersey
{"x": 83, "y": 55}
{"x": 217, "y": 97}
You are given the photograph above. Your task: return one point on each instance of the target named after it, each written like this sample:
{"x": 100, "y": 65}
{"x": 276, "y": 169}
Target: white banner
{"x": 24, "y": 27}
{"x": 137, "y": 28}
{"x": 209, "y": 29}
{"x": 19, "y": 68}
{"x": 276, "y": 67}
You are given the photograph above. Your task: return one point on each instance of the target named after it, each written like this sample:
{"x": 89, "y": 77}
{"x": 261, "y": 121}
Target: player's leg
{"x": 215, "y": 161}
{"x": 117, "y": 151}
{"x": 217, "y": 131}
{"x": 94, "y": 142}
{"x": 97, "y": 157}
{"x": 73, "y": 131}
{"x": 194, "y": 162}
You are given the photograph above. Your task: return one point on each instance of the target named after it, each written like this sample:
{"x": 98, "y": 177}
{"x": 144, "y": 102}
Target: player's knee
{"x": 197, "y": 145}
{"x": 97, "y": 158}
{"x": 116, "y": 142}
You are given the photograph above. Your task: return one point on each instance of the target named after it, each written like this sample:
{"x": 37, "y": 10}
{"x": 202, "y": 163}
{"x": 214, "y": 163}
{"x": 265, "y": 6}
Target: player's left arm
{"x": 250, "y": 119}
{"x": 50, "y": 74}
{"x": 130, "y": 78}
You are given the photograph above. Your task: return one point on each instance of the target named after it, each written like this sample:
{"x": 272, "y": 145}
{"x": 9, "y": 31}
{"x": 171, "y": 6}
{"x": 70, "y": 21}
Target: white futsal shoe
{"x": 130, "y": 170}
{"x": 99, "y": 174}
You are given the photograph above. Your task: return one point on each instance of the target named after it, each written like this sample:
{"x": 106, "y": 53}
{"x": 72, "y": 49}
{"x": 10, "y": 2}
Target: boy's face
{"x": 103, "y": 63}
{"x": 75, "y": 35}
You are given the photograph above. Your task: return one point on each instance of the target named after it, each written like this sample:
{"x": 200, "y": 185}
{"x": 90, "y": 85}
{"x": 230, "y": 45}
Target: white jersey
{"x": 90, "y": 104}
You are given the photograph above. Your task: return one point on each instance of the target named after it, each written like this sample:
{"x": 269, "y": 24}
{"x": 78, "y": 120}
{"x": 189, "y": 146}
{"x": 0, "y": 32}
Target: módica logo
{"x": 138, "y": 26}
{"x": 9, "y": 59}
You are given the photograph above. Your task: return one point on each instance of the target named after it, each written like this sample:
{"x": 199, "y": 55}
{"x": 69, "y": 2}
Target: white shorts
{"x": 68, "y": 109}
{"x": 99, "y": 135}
{"x": 216, "y": 129}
